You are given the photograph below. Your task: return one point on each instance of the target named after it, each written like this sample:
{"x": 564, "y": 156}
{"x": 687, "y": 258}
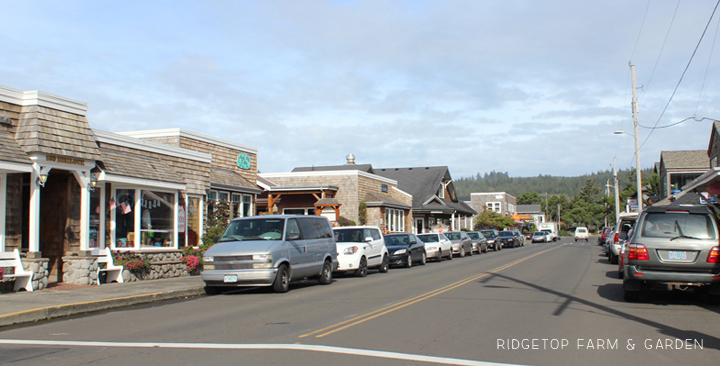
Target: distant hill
{"x": 569, "y": 186}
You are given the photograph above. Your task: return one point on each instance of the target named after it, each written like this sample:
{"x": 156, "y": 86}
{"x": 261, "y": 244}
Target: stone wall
{"x": 83, "y": 270}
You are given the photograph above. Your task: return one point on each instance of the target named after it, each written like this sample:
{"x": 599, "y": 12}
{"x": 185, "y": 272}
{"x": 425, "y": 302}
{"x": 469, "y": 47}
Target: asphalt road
{"x": 542, "y": 304}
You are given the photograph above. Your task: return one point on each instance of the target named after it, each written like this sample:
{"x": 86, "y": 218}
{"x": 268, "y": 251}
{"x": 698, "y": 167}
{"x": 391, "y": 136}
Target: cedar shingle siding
{"x": 51, "y": 131}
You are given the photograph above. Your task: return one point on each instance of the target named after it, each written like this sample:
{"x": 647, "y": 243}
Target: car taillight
{"x": 638, "y": 252}
{"x": 617, "y": 236}
{"x": 714, "y": 256}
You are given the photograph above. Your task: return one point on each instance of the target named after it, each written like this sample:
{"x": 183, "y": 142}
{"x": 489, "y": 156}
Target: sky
{"x": 523, "y": 87}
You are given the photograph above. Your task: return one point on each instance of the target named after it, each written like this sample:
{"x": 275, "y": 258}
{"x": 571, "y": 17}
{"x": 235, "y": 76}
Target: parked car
{"x": 360, "y": 248}
{"x": 270, "y": 251}
{"x": 582, "y": 233}
{"x": 508, "y": 239}
{"x": 602, "y": 238}
{"x": 437, "y": 246}
{"x": 479, "y": 242}
{"x": 405, "y": 250}
{"x": 462, "y": 244}
{"x": 619, "y": 234}
{"x": 673, "y": 247}
{"x": 520, "y": 237}
{"x": 492, "y": 237}
{"x": 539, "y": 237}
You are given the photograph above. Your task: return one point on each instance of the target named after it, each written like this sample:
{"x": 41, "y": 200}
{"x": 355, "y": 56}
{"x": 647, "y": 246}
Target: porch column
{"x": 83, "y": 178}
{"x": 34, "y": 224}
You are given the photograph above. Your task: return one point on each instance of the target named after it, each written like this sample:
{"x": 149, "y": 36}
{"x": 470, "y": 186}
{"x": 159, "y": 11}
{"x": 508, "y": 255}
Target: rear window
{"x": 671, "y": 225}
{"x": 428, "y": 238}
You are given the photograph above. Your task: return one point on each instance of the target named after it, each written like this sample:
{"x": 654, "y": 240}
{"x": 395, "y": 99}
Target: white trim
{"x": 11, "y": 167}
{"x": 42, "y": 99}
{"x": 263, "y": 185}
{"x": 179, "y": 132}
{"x": 149, "y": 146}
{"x": 137, "y": 182}
{"x": 332, "y": 173}
{"x": 434, "y": 198}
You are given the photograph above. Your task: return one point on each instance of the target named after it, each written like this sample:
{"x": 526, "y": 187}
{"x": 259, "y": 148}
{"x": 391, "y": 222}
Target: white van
{"x": 582, "y": 233}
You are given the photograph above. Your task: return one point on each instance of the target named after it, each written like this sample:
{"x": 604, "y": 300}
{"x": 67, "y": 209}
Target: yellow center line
{"x": 390, "y": 308}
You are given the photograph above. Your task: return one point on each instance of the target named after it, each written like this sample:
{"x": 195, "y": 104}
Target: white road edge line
{"x": 290, "y": 347}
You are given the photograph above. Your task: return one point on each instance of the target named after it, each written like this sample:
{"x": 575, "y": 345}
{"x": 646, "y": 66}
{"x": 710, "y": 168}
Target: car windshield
{"x": 254, "y": 229}
{"x": 396, "y": 240}
{"x": 348, "y": 235}
{"x": 453, "y": 236}
{"x": 429, "y": 238}
{"x": 474, "y": 236}
{"x": 506, "y": 233}
{"x": 539, "y": 233}
{"x": 489, "y": 234}
{"x": 671, "y": 225}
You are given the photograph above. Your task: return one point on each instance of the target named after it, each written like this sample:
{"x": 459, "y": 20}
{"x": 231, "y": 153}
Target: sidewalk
{"x": 22, "y": 307}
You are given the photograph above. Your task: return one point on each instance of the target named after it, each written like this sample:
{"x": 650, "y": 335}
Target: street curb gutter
{"x": 51, "y": 312}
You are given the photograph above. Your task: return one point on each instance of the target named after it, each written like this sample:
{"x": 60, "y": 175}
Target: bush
{"x": 132, "y": 261}
{"x": 193, "y": 257}
{"x": 218, "y": 218}
{"x": 345, "y": 222}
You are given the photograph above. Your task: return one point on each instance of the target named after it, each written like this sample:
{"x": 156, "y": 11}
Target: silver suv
{"x": 673, "y": 247}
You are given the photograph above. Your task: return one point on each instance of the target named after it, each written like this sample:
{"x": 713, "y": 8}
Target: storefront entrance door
{"x": 55, "y": 223}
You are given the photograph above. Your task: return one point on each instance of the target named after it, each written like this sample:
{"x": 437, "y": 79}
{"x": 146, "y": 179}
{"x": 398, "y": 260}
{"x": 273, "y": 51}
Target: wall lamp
{"x": 93, "y": 181}
{"x": 43, "y": 176}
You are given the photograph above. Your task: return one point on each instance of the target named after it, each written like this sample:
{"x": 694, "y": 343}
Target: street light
{"x": 637, "y": 164}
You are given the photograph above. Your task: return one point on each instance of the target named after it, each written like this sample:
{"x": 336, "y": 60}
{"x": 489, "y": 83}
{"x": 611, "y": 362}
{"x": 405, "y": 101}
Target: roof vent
{"x": 350, "y": 159}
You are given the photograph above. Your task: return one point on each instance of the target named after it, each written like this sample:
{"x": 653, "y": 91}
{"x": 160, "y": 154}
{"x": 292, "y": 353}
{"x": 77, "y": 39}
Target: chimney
{"x": 350, "y": 159}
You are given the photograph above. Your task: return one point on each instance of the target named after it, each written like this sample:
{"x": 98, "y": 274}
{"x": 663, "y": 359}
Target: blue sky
{"x": 527, "y": 87}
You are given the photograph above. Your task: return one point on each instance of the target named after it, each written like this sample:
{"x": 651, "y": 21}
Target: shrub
{"x": 133, "y": 262}
{"x": 342, "y": 221}
{"x": 193, "y": 257}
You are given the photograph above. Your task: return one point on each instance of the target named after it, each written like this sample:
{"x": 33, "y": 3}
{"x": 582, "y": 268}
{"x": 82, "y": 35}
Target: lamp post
{"x": 637, "y": 165}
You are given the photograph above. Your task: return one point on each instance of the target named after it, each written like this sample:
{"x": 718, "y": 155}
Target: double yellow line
{"x": 389, "y": 309}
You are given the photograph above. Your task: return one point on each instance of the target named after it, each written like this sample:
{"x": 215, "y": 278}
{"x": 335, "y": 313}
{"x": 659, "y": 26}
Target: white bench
{"x": 114, "y": 272}
{"x": 23, "y": 277}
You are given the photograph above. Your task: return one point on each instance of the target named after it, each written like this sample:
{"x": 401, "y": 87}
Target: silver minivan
{"x": 272, "y": 251}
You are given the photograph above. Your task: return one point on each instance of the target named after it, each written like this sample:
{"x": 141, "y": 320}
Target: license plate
{"x": 677, "y": 255}
{"x": 230, "y": 278}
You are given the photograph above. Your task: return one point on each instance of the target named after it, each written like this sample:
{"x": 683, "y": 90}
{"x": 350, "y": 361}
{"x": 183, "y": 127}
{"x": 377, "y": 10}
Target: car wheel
{"x": 631, "y": 296}
{"x": 282, "y": 279}
{"x": 613, "y": 258}
{"x": 462, "y": 251}
{"x": 423, "y": 260}
{"x": 362, "y": 268}
{"x": 326, "y": 274}
{"x": 408, "y": 263}
{"x": 385, "y": 266}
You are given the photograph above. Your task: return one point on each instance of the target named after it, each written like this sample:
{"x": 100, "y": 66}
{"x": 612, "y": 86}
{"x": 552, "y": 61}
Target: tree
{"x": 529, "y": 198}
{"x": 492, "y": 220}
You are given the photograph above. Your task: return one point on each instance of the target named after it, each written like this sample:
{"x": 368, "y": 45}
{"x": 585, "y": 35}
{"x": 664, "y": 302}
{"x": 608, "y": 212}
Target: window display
{"x": 157, "y": 218}
{"x": 124, "y": 203}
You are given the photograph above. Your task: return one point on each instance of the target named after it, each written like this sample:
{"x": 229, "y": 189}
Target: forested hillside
{"x": 516, "y": 186}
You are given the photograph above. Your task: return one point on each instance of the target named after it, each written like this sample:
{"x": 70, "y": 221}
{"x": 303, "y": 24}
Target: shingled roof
{"x": 421, "y": 183}
{"x": 228, "y": 179}
{"x": 11, "y": 150}
{"x": 137, "y": 166}
{"x": 46, "y": 130}
{"x": 688, "y": 159}
{"x": 367, "y": 168}
{"x": 381, "y": 199}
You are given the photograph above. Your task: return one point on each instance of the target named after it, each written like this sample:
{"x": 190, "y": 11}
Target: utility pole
{"x": 637, "y": 139}
{"x": 617, "y": 193}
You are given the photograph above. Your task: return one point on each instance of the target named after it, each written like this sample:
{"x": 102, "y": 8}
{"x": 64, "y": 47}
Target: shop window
{"x": 124, "y": 206}
{"x": 157, "y": 213}
{"x": 224, "y": 196}
{"x": 194, "y": 220}
{"x": 95, "y": 235}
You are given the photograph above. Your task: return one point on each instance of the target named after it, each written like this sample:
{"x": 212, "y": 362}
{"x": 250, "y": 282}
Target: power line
{"x": 681, "y": 76}
{"x": 672, "y": 21}
{"x": 695, "y": 118}
{"x": 712, "y": 48}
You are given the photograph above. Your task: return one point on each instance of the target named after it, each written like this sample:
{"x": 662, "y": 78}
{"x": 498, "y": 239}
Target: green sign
{"x": 244, "y": 161}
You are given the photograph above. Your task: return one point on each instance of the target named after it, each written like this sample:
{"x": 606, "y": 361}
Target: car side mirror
{"x": 413, "y": 242}
{"x": 368, "y": 239}
{"x": 216, "y": 239}
{"x": 292, "y": 236}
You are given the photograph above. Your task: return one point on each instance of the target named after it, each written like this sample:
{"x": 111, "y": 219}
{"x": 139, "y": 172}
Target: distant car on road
{"x": 405, "y": 249}
{"x": 462, "y": 244}
{"x": 479, "y": 242}
{"x": 437, "y": 246}
{"x": 508, "y": 239}
{"x": 539, "y": 237}
{"x": 582, "y": 233}
{"x": 492, "y": 237}
{"x": 602, "y": 238}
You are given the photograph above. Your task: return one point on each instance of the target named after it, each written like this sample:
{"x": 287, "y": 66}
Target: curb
{"x": 50, "y": 312}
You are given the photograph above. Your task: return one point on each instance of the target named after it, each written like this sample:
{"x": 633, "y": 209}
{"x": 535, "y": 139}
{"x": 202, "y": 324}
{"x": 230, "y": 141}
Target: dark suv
{"x": 509, "y": 239}
{"x": 673, "y": 247}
